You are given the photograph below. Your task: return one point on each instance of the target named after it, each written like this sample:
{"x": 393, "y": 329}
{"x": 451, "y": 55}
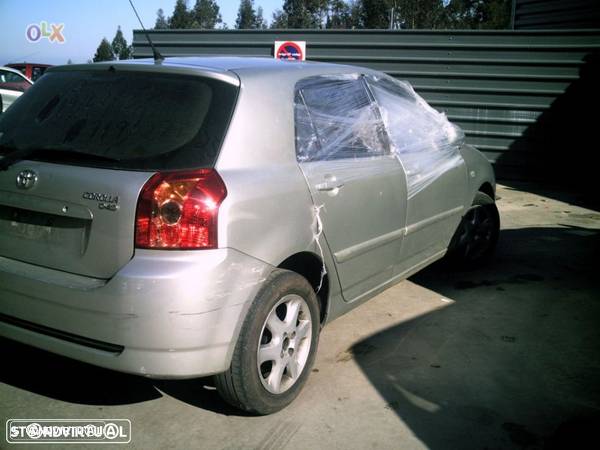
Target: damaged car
{"x": 208, "y": 216}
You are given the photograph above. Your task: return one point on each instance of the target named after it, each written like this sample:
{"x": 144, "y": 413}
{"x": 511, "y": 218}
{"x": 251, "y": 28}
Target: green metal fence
{"x": 497, "y": 85}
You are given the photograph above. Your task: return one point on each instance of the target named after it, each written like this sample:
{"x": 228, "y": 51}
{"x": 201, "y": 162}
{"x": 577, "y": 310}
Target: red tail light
{"x": 179, "y": 210}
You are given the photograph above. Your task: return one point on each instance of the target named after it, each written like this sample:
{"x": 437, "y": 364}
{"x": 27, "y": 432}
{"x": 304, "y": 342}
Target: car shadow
{"x": 72, "y": 381}
{"x": 511, "y": 359}
{"x": 68, "y": 380}
{"x": 555, "y": 148}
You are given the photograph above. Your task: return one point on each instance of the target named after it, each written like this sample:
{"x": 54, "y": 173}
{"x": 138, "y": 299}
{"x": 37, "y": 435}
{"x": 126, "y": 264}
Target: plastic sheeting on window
{"x": 351, "y": 116}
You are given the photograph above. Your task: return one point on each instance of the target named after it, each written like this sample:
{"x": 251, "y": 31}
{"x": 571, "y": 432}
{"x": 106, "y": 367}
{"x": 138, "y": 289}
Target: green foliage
{"x": 206, "y": 15}
{"x": 181, "y": 17}
{"x": 246, "y": 18}
{"x": 162, "y": 23}
{"x": 477, "y": 14}
{"x": 260, "y": 22}
{"x": 419, "y": 14}
{"x": 104, "y": 52}
{"x": 119, "y": 46}
{"x": 306, "y": 13}
{"x": 279, "y": 20}
{"x": 374, "y": 14}
{"x": 348, "y": 14}
{"x": 377, "y": 14}
{"x": 340, "y": 15}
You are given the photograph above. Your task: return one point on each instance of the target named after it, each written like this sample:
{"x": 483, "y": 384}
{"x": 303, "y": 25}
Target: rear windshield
{"x": 134, "y": 120}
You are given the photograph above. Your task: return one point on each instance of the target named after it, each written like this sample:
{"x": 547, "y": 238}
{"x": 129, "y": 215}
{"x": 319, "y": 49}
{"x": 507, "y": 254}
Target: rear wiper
{"x": 19, "y": 155}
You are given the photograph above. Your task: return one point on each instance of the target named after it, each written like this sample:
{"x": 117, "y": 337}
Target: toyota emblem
{"x": 26, "y": 179}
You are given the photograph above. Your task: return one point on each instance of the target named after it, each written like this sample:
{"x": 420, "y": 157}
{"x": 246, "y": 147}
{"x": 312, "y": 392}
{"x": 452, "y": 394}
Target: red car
{"x": 31, "y": 70}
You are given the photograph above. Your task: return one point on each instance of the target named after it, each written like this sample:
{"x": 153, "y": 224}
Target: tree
{"x": 206, "y": 14}
{"x": 260, "y": 22}
{"x": 280, "y": 20}
{"x": 419, "y": 14}
{"x": 339, "y": 15}
{"x": 478, "y": 14}
{"x": 162, "y": 23}
{"x": 246, "y": 17}
{"x": 355, "y": 20}
{"x": 119, "y": 46}
{"x": 69, "y": 61}
{"x": 300, "y": 13}
{"x": 317, "y": 14}
{"x": 375, "y": 13}
{"x": 181, "y": 17}
{"x": 104, "y": 52}
{"x": 498, "y": 14}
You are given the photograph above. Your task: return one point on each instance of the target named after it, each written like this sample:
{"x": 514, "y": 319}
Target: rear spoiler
{"x": 148, "y": 65}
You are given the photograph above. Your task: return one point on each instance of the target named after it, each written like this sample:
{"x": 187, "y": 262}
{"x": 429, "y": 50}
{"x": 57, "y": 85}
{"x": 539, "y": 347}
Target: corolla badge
{"x": 26, "y": 179}
{"x": 105, "y": 201}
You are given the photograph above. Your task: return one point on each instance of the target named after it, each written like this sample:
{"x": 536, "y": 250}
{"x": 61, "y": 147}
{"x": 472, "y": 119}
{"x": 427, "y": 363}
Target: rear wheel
{"x": 276, "y": 347}
{"x": 477, "y": 235}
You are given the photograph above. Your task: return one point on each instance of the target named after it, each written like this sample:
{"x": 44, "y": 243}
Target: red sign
{"x": 290, "y": 50}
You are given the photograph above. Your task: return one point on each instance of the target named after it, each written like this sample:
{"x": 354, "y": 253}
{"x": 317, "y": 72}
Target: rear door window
{"x": 146, "y": 121}
{"x": 336, "y": 118}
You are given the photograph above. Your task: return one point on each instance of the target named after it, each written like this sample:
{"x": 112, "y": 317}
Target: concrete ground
{"x": 506, "y": 356}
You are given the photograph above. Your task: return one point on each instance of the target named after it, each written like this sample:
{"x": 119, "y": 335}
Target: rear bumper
{"x": 163, "y": 315}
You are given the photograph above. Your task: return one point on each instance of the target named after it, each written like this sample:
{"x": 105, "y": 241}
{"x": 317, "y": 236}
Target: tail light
{"x": 179, "y": 210}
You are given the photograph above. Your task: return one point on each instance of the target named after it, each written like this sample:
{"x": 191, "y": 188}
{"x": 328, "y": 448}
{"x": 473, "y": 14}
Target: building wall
{"x": 515, "y": 93}
{"x": 555, "y": 14}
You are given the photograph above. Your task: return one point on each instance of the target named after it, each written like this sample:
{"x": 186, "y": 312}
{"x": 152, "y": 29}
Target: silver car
{"x": 208, "y": 216}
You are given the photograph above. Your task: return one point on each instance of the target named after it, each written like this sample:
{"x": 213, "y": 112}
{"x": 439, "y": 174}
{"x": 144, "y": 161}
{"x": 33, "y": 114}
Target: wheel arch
{"x": 487, "y": 189}
{"x": 310, "y": 266}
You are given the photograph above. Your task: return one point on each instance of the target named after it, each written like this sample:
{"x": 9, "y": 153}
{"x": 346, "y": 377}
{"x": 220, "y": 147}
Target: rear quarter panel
{"x": 479, "y": 171}
{"x": 268, "y": 212}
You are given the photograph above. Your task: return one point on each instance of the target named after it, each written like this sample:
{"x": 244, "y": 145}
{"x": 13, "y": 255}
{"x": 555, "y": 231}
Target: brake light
{"x": 179, "y": 210}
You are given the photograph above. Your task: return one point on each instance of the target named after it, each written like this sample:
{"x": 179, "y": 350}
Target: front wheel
{"x": 477, "y": 235}
{"x": 276, "y": 347}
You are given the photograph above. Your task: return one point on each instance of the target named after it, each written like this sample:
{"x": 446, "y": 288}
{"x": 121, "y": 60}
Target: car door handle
{"x": 328, "y": 186}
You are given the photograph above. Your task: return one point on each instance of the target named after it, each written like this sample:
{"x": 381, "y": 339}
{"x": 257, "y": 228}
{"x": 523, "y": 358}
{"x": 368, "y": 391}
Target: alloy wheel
{"x": 284, "y": 344}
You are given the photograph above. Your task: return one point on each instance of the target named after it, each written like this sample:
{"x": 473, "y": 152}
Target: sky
{"x": 85, "y": 23}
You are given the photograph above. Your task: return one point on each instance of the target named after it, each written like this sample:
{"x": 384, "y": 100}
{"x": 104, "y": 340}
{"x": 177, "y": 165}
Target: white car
{"x": 12, "y": 85}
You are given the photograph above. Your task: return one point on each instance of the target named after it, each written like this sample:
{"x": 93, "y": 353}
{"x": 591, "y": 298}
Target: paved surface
{"x": 506, "y": 356}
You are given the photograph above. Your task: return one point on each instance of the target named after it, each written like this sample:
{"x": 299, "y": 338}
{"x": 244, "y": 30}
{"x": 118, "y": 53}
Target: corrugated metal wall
{"x": 497, "y": 85}
{"x": 553, "y": 14}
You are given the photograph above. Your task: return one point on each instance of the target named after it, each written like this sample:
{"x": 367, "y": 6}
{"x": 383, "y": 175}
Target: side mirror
{"x": 455, "y": 134}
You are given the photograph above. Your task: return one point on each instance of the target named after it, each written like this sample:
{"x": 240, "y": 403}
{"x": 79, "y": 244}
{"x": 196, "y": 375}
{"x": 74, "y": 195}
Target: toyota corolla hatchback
{"x": 207, "y": 216}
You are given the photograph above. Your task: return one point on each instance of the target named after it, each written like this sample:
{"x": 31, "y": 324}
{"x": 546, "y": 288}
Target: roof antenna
{"x": 158, "y": 58}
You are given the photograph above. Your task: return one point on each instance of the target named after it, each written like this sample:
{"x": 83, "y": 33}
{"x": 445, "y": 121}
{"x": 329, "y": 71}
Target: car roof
{"x": 23, "y": 64}
{"x": 226, "y": 68}
{"x": 233, "y": 63}
{"x": 10, "y": 69}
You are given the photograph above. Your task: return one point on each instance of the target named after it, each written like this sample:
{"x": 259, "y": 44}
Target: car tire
{"x": 474, "y": 242}
{"x": 281, "y": 329}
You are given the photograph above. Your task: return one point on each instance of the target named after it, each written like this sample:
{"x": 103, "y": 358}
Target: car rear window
{"x": 142, "y": 120}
